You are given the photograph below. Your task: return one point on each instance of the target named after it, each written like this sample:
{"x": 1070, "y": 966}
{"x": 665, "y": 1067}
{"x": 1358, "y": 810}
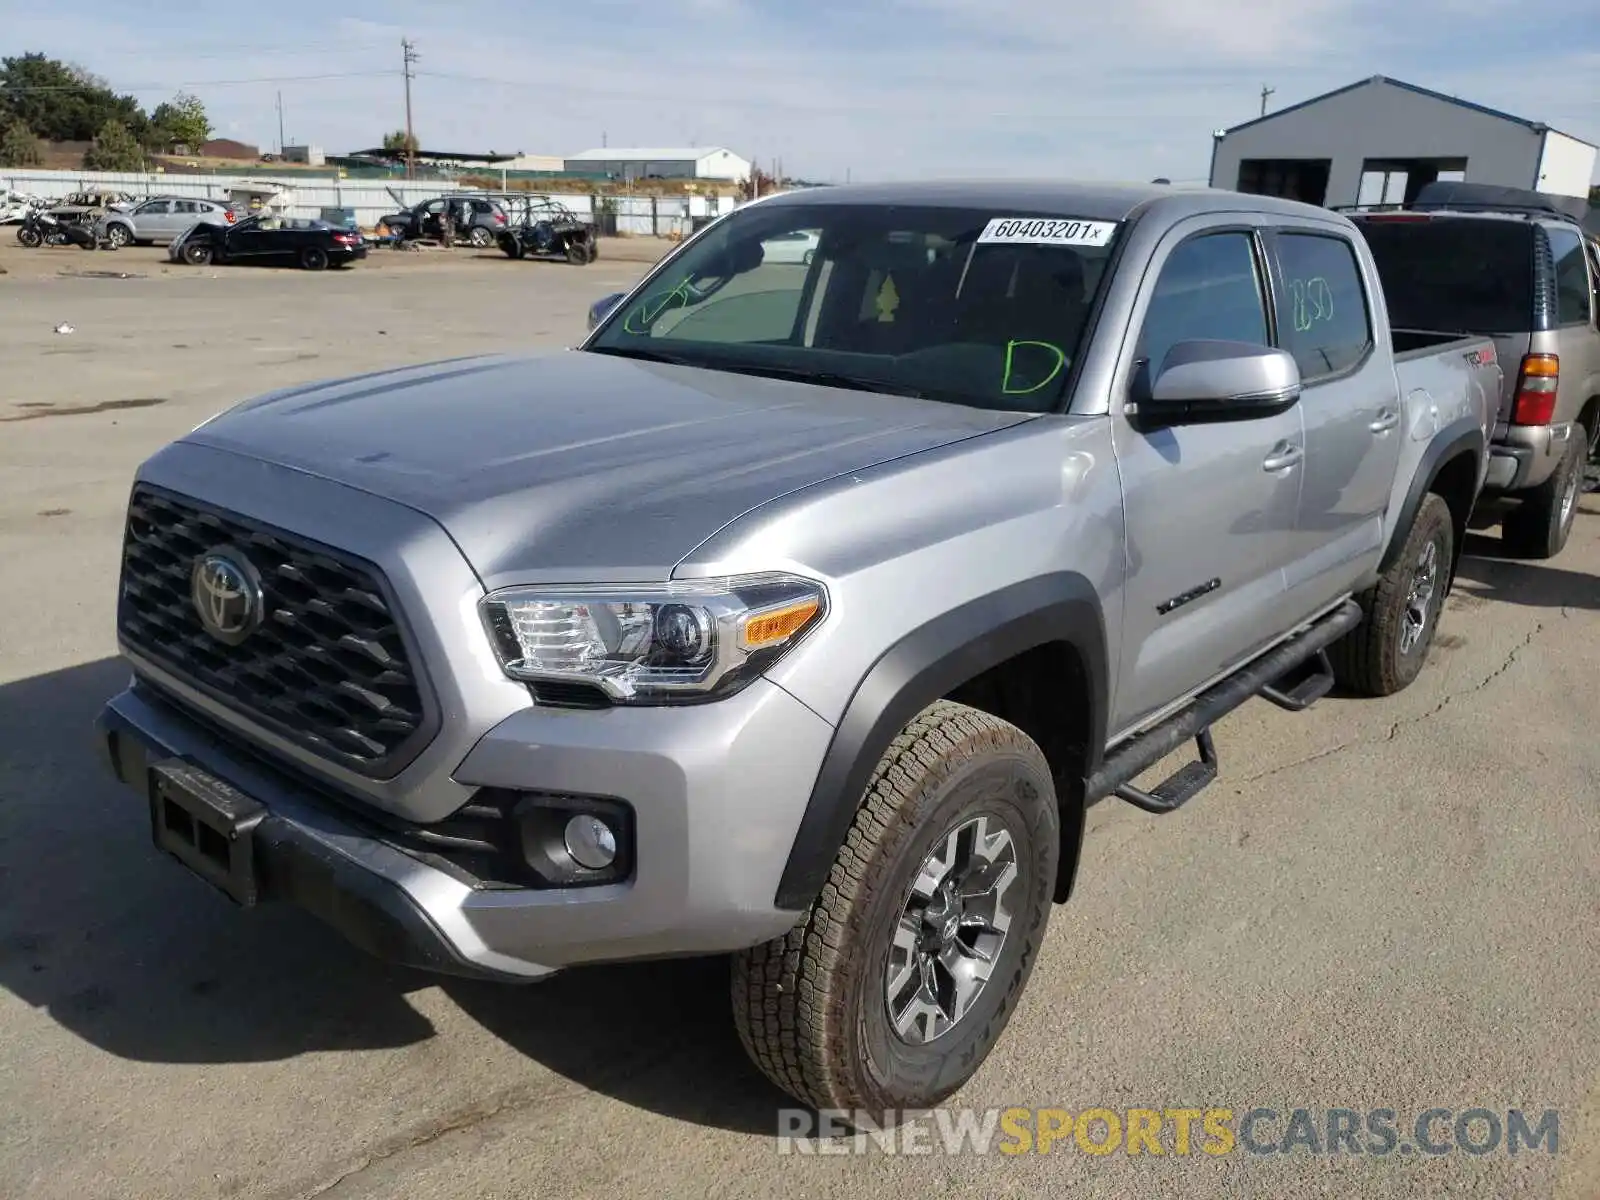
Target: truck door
{"x": 1209, "y": 507}
{"x": 1350, "y": 408}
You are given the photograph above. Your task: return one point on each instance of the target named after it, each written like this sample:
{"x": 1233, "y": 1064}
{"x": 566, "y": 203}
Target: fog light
{"x": 590, "y": 842}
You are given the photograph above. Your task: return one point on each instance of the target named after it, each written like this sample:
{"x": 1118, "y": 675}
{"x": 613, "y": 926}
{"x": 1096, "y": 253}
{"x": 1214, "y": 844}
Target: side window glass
{"x": 1572, "y": 278}
{"x": 1210, "y": 290}
{"x": 1322, "y": 313}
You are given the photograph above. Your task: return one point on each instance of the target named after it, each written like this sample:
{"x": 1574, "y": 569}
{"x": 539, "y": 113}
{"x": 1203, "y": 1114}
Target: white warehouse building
{"x": 698, "y": 162}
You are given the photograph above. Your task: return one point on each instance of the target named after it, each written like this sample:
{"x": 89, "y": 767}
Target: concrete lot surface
{"x": 1385, "y": 904}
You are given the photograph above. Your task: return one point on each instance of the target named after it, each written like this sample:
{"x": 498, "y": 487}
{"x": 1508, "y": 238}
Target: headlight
{"x": 665, "y": 643}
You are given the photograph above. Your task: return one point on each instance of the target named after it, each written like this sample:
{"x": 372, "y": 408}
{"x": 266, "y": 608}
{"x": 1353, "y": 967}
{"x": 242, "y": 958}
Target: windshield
{"x": 971, "y": 306}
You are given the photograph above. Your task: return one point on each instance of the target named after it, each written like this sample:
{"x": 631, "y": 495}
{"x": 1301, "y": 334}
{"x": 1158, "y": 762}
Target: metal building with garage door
{"x": 1380, "y": 141}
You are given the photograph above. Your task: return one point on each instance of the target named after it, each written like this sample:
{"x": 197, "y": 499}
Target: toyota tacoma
{"x": 799, "y": 612}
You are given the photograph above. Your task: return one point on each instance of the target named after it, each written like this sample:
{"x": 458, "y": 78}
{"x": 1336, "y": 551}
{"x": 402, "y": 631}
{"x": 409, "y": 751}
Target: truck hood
{"x": 582, "y": 467}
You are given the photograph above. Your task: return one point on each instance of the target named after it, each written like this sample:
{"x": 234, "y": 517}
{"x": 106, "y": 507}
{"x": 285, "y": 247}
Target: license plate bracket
{"x": 208, "y": 826}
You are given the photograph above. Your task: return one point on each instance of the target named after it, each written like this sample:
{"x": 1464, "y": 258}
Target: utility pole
{"x": 410, "y": 56}
{"x": 280, "y": 124}
{"x": 1265, "y": 92}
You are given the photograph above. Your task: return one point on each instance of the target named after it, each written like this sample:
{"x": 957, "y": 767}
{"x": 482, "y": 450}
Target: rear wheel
{"x": 313, "y": 258}
{"x": 1386, "y": 652}
{"x": 577, "y": 254}
{"x": 1541, "y": 523}
{"x": 512, "y": 246}
{"x": 478, "y": 237}
{"x": 904, "y": 973}
{"x": 118, "y": 234}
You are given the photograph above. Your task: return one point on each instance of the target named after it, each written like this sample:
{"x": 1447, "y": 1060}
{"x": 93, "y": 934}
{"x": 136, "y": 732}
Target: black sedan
{"x": 269, "y": 240}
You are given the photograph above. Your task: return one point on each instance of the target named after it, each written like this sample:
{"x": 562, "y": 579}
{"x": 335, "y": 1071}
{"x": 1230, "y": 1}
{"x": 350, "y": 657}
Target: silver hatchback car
{"x": 162, "y": 219}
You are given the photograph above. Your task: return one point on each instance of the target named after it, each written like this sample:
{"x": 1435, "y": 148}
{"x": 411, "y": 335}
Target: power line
{"x": 183, "y": 83}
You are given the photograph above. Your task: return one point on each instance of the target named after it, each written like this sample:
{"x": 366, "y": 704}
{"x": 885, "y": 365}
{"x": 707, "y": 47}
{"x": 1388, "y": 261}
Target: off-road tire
{"x": 1368, "y": 660}
{"x": 810, "y": 1007}
{"x": 577, "y": 254}
{"x": 1536, "y": 528}
{"x": 314, "y": 258}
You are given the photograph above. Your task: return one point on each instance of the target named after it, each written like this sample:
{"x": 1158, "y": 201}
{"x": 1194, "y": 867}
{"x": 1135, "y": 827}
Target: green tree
{"x": 180, "y": 121}
{"x": 115, "y": 149}
{"x": 398, "y": 142}
{"x": 19, "y": 148}
{"x": 61, "y": 102}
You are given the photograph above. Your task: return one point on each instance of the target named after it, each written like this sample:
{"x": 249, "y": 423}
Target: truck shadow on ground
{"x": 1487, "y": 572}
{"x": 126, "y": 950}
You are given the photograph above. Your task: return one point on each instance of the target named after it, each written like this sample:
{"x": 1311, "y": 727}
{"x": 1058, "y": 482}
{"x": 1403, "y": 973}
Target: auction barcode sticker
{"x": 1047, "y": 231}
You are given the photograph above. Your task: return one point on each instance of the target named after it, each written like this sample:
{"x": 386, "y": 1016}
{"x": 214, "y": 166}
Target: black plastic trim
{"x": 928, "y": 663}
{"x": 372, "y": 913}
{"x": 1459, "y": 436}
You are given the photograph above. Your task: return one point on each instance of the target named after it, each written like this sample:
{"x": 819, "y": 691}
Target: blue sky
{"x": 890, "y": 89}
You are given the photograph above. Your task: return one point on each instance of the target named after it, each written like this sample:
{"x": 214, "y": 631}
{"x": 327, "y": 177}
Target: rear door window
{"x": 1322, "y": 305}
{"x": 1454, "y": 274}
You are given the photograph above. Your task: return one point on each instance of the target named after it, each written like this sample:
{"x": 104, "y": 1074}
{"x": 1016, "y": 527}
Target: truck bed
{"x": 1411, "y": 344}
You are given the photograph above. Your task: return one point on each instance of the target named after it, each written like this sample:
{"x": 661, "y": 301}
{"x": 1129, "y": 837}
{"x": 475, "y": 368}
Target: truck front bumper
{"x": 717, "y": 792}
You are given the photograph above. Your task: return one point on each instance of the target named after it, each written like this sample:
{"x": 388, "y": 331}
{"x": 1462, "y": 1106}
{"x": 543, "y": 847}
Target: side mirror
{"x": 601, "y": 308}
{"x": 1206, "y": 380}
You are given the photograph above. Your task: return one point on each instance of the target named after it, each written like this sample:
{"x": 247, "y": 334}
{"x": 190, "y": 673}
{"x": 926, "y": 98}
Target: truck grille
{"x": 328, "y": 667}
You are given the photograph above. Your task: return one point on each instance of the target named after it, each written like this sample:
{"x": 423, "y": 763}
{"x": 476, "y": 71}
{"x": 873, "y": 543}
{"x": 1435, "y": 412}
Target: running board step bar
{"x": 1142, "y": 751}
{"x": 1302, "y": 687}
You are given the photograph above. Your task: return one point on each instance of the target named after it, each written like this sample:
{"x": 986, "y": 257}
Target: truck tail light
{"x": 1536, "y": 390}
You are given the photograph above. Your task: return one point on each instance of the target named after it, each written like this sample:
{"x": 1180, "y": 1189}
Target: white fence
{"x": 369, "y": 199}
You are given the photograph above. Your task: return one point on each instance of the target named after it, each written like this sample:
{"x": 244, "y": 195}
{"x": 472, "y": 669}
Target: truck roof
{"x": 1066, "y": 198}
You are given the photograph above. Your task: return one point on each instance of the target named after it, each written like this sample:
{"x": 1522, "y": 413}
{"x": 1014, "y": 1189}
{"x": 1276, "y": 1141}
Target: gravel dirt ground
{"x": 1383, "y": 904}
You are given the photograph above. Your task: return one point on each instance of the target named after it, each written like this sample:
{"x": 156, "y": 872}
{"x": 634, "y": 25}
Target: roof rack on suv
{"x": 1483, "y": 197}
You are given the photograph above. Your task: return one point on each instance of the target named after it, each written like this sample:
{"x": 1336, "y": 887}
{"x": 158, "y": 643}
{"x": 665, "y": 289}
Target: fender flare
{"x": 930, "y": 662}
{"x": 1462, "y": 435}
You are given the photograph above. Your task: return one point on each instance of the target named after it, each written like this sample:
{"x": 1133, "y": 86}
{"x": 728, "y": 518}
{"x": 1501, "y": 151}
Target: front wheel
{"x": 901, "y": 978}
{"x": 196, "y": 254}
{"x": 1385, "y": 653}
{"x": 31, "y": 238}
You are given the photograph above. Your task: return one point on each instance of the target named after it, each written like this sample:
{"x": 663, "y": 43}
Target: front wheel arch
{"x": 1049, "y": 629}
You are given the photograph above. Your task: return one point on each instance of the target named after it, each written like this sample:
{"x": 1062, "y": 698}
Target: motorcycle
{"x": 41, "y": 229}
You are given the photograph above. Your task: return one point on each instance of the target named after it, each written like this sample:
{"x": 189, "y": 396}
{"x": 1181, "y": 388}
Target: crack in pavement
{"x": 466, "y": 1118}
{"x": 1396, "y": 727}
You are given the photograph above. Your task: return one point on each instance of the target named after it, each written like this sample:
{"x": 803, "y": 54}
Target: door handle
{"x": 1386, "y": 420}
{"x": 1283, "y": 457}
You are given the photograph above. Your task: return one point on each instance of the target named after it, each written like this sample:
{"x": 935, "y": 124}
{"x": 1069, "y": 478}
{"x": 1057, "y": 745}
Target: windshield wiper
{"x": 660, "y": 356}
{"x": 826, "y": 379}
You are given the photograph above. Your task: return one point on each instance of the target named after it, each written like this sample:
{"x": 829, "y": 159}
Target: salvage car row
{"x": 799, "y": 613}
{"x": 199, "y": 231}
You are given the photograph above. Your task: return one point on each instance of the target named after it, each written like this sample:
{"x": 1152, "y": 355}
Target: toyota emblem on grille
{"x": 227, "y": 595}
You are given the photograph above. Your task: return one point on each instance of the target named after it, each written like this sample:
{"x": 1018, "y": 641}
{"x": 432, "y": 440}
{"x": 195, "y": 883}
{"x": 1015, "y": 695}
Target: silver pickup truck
{"x": 799, "y": 613}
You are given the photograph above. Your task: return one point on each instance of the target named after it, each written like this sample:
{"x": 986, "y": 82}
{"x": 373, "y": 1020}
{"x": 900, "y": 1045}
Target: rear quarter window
{"x": 1572, "y": 278}
{"x": 1323, "y": 318}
